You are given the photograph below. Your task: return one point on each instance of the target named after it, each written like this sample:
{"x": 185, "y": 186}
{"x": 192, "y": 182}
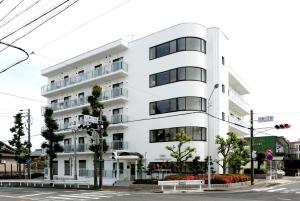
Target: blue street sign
{"x": 29, "y": 162}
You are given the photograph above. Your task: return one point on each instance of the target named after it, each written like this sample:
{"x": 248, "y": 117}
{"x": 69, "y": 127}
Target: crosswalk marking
{"x": 277, "y": 189}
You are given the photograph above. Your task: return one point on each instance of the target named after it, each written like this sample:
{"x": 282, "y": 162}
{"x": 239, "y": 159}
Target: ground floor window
{"x": 55, "y": 167}
{"x": 67, "y": 168}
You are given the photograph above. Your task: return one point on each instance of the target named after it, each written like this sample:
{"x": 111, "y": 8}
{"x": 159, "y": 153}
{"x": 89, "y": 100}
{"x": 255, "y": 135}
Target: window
{"x": 67, "y": 168}
{"x": 67, "y": 101}
{"x": 67, "y": 122}
{"x": 117, "y": 64}
{"x": 223, "y": 116}
{"x": 66, "y": 80}
{"x": 98, "y": 70}
{"x": 180, "y": 44}
{"x": 223, "y": 61}
{"x": 80, "y": 74}
{"x": 81, "y": 98}
{"x": 81, "y": 119}
{"x": 193, "y": 44}
{"x": 167, "y": 134}
{"x": 163, "y": 50}
{"x": 223, "y": 88}
{"x": 55, "y": 167}
{"x": 176, "y": 75}
{"x": 54, "y": 104}
{"x": 189, "y": 103}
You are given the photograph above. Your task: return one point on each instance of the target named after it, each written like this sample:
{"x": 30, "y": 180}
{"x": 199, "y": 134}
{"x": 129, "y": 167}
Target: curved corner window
{"x": 167, "y": 134}
{"x": 177, "y": 45}
{"x": 178, "y": 74}
{"x": 188, "y": 103}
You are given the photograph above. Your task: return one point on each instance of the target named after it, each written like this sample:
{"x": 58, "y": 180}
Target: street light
{"x": 208, "y": 139}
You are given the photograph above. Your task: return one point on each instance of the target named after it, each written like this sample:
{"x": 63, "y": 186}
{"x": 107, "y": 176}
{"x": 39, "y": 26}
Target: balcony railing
{"x": 236, "y": 120}
{"x": 237, "y": 98}
{"x": 79, "y": 148}
{"x": 87, "y": 75}
{"x": 114, "y": 93}
{"x": 118, "y": 145}
{"x": 118, "y": 118}
{"x": 85, "y": 172}
{"x": 69, "y": 104}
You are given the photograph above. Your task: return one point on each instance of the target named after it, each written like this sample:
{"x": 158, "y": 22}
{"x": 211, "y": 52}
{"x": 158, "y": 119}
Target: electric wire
{"x": 39, "y": 25}
{"x": 16, "y": 63}
{"x": 1, "y": 1}
{"x": 18, "y": 14}
{"x": 11, "y": 10}
{"x": 32, "y": 21}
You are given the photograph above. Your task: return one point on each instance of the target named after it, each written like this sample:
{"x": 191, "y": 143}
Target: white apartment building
{"x": 152, "y": 88}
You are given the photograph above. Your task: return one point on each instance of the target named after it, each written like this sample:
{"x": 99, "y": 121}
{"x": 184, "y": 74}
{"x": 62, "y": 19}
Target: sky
{"x": 263, "y": 35}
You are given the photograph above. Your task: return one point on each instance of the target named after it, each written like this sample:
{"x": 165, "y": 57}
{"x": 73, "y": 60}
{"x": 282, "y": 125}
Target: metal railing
{"x": 101, "y": 71}
{"x": 85, "y": 172}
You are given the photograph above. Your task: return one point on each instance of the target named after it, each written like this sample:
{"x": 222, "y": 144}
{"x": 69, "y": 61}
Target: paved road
{"x": 273, "y": 193}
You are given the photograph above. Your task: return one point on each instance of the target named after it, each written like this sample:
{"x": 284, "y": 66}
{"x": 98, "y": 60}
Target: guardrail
{"x": 185, "y": 183}
{"x": 41, "y": 183}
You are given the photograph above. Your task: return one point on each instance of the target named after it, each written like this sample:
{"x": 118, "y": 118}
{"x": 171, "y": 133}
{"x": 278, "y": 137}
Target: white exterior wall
{"x": 136, "y": 133}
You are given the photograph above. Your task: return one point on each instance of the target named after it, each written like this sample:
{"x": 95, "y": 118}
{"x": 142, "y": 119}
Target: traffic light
{"x": 282, "y": 126}
{"x": 114, "y": 155}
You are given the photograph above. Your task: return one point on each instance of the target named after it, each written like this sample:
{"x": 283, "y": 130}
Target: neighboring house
{"x": 8, "y": 163}
{"x": 152, "y": 87}
{"x": 279, "y": 145}
{"x": 295, "y": 149}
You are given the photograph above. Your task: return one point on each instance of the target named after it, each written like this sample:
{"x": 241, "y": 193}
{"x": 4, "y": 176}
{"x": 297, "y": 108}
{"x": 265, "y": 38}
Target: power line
{"x": 18, "y": 14}
{"x": 22, "y": 97}
{"x": 20, "y": 61}
{"x": 1, "y": 1}
{"x": 11, "y": 10}
{"x": 49, "y": 18}
{"x": 82, "y": 25}
{"x": 27, "y": 24}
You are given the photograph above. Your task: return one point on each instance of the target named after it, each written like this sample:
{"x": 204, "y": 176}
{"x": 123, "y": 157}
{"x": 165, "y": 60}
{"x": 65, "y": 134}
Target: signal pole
{"x": 251, "y": 147}
{"x": 100, "y": 150}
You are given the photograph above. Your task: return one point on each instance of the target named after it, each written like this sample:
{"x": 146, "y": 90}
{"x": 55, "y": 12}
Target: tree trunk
{"x": 95, "y": 169}
{"x": 51, "y": 168}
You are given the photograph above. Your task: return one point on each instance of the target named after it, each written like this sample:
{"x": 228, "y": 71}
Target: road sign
{"x": 265, "y": 119}
{"x": 269, "y": 157}
{"x": 90, "y": 119}
{"x": 29, "y": 162}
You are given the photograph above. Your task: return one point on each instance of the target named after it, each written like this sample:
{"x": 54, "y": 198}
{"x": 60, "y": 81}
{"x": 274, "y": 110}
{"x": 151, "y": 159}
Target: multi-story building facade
{"x": 152, "y": 88}
{"x": 295, "y": 149}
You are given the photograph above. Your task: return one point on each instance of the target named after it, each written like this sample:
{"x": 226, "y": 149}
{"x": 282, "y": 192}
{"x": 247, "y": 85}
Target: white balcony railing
{"x": 118, "y": 119}
{"x": 237, "y": 98}
{"x": 238, "y": 121}
{"x": 87, "y": 75}
{"x": 68, "y": 148}
{"x": 114, "y": 93}
{"x": 118, "y": 145}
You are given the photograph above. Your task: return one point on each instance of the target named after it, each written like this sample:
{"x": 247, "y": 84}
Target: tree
{"x": 232, "y": 150}
{"x": 21, "y": 149}
{"x": 180, "y": 153}
{"x": 95, "y": 109}
{"x": 205, "y": 169}
{"x": 52, "y": 145}
{"x": 260, "y": 158}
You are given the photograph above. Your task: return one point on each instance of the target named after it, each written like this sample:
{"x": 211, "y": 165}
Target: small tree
{"x": 232, "y": 150}
{"x": 260, "y": 158}
{"x": 21, "y": 150}
{"x": 180, "y": 153}
{"x": 52, "y": 145}
{"x": 94, "y": 110}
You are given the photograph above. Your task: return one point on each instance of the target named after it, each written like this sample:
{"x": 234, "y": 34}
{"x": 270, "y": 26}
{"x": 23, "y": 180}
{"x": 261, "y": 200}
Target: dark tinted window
{"x": 181, "y": 73}
{"x": 193, "y": 73}
{"x": 162, "y": 106}
{"x": 163, "y": 78}
{"x": 163, "y": 49}
{"x": 181, "y": 44}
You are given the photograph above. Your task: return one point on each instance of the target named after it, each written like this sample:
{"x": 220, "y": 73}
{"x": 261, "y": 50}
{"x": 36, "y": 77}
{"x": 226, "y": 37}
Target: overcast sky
{"x": 264, "y": 36}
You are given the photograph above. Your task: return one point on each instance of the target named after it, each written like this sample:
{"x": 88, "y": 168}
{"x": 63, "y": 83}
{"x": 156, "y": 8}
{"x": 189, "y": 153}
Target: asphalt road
{"x": 269, "y": 193}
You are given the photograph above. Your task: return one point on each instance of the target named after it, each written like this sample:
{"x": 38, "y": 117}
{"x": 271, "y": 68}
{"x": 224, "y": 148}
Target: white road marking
{"x": 274, "y": 190}
{"x": 60, "y": 198}
{"x": 38, "y": 194}
{"x": 263, "y": 189}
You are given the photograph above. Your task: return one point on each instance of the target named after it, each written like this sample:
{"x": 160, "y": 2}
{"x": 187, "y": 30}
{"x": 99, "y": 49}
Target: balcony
{"x": 112, "y": 71}
{"x": 237, "y": 103}
{"x": 68, "y": 105}
{"x": 234, "y": 126}
{"x": 118, "y": 145}
{"x": 118, "y": 121}
{"x": 116, "y": 95}
{"x": 79, "y": 148}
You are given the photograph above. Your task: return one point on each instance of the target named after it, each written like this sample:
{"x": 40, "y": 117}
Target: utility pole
{"x": 100, "y": 149}
{"x": 75, "y": 156}
{"x": 251, "y": 147}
